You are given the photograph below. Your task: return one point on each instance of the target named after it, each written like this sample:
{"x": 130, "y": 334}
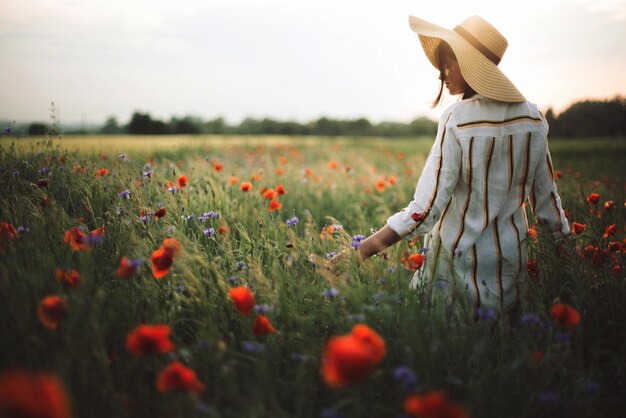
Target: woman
{"x": 489, "y": 156}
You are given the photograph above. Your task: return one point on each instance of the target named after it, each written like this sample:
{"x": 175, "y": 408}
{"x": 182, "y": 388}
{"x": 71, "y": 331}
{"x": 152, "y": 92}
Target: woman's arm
{"x": 379, "y": 241}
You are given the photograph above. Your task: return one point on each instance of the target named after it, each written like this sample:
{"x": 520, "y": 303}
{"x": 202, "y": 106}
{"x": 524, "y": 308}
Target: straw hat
{"x": 478, "y": 47}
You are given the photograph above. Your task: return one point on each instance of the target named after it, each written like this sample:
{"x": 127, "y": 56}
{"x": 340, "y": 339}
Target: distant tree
{"x": 187, "y": 125}
{"x": 37, "y": 128}
{"x": 215, "y": 126}
{"x": 111, "y": 127}
{"x": 143, "y": 124}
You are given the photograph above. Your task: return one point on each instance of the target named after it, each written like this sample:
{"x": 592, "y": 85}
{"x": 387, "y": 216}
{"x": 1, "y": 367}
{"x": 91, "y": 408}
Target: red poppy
{"x": 159, "y": 213}
{"x": 391, "y": 180}
{"x": 6, "y": 230}
{"x": 280, "y": 190}
{"x": 608, "y": 205}
{"x": 126, "y": 269}
{"x": 380, "y": 185}
{"x": 42, "y": 182}
{"x": 280, "y": 171}
{"x": 557, "y": 175}
{"x": 350, "y": 358}
{"x": 609, "y": 230}
{"x": 262, "y": 326}
{"x": 532, "y": 232}
{"x": 332, "y": 164}
{"x": 615, "y": 246}
{"x": 433, "y": 405}
{"x": 417, "y": 217}
{"x": 282, "y": 160}
{"x": 223, "y": 229}
{"x": 268, "y": 194}
{"x": 102, "y": 172}
{"x": 308, "y": 172}
{"x": 243, "y": 298}
{"x": 593, "y": 198}
{"x": 38, "y": 395}
{"x": 327, "y": 232}
{"x": 531, "y": 267}
{"x": 233, "y": 180}
{"x": 217, "y": 166}
{"x": 51, "y": 310}
{"x": 578, "y": 228}
{"x": 149, "y": 339}
{"x": 275, "y": 205}
{"x": 71, "y": 278}
{"x": 245, "y": 186}
{"x": 564, "y": 315}
{"x": 178, "y": 377}
{"x": 163, "y": 258}
{"x": 77, "y": 239}
{"x": 182, "y": 181}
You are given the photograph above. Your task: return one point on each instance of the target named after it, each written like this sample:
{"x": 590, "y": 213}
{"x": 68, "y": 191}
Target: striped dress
{"x": 488, "y": 158}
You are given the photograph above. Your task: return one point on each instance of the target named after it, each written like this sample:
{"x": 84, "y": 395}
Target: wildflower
{"x": 532, "y": 232}
{"x": 252, "y": 346}
{"x": 148, "y": 174}
{"x": 163, "y": 258}
{"x": 593, "y": 198}
{"x": 380, "y": 185}
{"x": 240, "y": 265}
{"x": 159, "y": 213}
{"x": 25, "y": 394}
{"x": 332, "y": 164}
{"x": 292, "y": 221}
{"x": 486, "y": 314}
{"x": 233, "y": 180}
{"x": 223, "y": 229}
{"x": 356, "y": 240}
{"x": 182, "y": 181}
{"x": 350, "y": 358}
{"x": 330, "y": 293}
{"x": 530, "y": 319}
{"x": 413, "y": 262}
{"x": 531, "y": 267}
{"x": 172, "y": 189}
{"x": 275, "y": 205}
{"x": 171, "y": 230}
{"x": 178, "y": 377}
{"x": 330, "y": 255}
{"x": 578, "y": 228}
{"x": 233, "y": 280}
{"x": 280, "y": 190}
{"x": 102, "y": 172}
{"x": 262, "y": 326}
{"x": 128, "y": 268}
{"x": 71, "y": 278}
{"x": 280, "y": 171}
{"x": 76, "y": 239}
{"x": 149, "y": 339}
{"x": 243, "y": 298}
{"x": 51, "y": 310}
{"x": 608, "y": 205}
{"x": 268, "y": 194}
{"x": 557, "y": 175}
{"x": 282, "y": 160}
{"x": 15, "y": 174}
{"x": 262, "y": 308}
{"x": 564, "y": 315}
{"x": 42, "y": 182}
{"x": 327, "y": 232}
{"x": 433, "y": 404}
{"x": 44, "y": 171}
{"x": 217, "y": 166}
{"x": 126, "y": 194}
{"x": 418, "y": 217}
{"x": 245, "y": 186}
{"x": 208, "y": 215}
{"x": 208, "y": 232}
{"x": 308, "y": 172}
{"x": 549, "y": 397}
{"x": 406, "y": 377}
{"x": 610, "y": 230}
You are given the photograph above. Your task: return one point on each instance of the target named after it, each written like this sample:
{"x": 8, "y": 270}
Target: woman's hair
{"x": 444, "y": 53}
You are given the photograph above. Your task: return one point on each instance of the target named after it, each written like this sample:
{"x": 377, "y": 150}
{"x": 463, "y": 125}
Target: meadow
{"x": 184, "y": 277}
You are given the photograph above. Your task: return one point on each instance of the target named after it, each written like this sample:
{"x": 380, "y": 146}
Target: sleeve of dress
{"x": 435, "y": 185}
{"x": 545, "y": 200}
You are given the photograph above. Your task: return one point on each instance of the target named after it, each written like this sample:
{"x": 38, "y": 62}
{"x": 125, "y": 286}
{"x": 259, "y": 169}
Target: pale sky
{"x": 286, "y": 59}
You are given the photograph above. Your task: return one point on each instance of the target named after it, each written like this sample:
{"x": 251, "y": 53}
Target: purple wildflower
{"x": 240, "y": 265}
{"x": 172, "y": 189}
{"x": 208, "y": 215}
{"x": 208, "y": 232}
{"x": 356, "y": 240}
{"x": 406, "y": 377}
{"x": 22, "y": 230}
{"x": 298, "y": 357}
{"x": 330, "y": 255}
{"x": 330, "y": 293}
{"x": 262, "y": 308}
{"x": 148, "y": 174}
{"x": 485, "y": 314}
{"x": 423, "y": 250}
{"x": 549, "y": 397}
{"x": 44, "y": 171}
{"x": 292, "y": 221}
{"x": 562, "y": 337}
{"x": 125, "y": 194}
{"x": 15, "y": 174}
{"x": 530, "y": 319}
{"x": 252, "y": 346}
{"x": 144, "y": 219}
{"x": 170, "y": 230}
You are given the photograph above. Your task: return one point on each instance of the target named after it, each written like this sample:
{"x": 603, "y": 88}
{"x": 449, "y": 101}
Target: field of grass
{"x": 72, "y": 208}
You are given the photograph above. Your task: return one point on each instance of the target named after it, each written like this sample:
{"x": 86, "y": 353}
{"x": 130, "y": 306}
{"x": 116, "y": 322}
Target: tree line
{"x": 588, "y": 118}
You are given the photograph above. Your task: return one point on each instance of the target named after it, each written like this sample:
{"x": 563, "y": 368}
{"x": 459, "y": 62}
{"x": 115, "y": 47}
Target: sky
{"x": 286, "y": 59}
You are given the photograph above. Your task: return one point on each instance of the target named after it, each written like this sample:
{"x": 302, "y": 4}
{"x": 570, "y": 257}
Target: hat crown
{"x": 486, "y": 34}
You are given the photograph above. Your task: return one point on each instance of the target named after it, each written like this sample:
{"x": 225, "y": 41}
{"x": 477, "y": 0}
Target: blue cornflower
{"x": 180, "y": 288}
{"x": 252, "y": 346}
{"x": 423, "y": 250}
{"x": 406, "y": 377}
{"x": 330, "y": 293}
{"x": 171, "y": 230}
{"x": 146, "y": 166}
{"x": 148, "y": 174}
{"x": 485, "y": 314}
{"x": 123, "y": 158}
{"x": 330, "y": 255}
{"x": 530, "y": 319}
{"x": 44, "y": 171}
{"x": 458, "y": 252}
{"x": 125, "y": 194}
{"x": 7, "y": 130}
{"x": 356, "y": 240}
{"x": 144, "y": 219}
{"x": 208, "y": 215}
{"x": 209, "y": 232}
{"x": 379, "y": 296}
{"x": 298, "y": 357}
{"x": 172, "y": 189}
{"x": 233, "y": 279}
{"x": 562, "y": 337}
{"x": 22, "y": 229}
{"x": 262, "y": 308}
{"x": 292, "y": 221}
{"x": 15, "y": 174}
{"x": 240, "y": 265}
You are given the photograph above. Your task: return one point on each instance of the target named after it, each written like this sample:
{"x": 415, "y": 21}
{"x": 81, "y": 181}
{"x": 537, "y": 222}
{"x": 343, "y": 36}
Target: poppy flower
{"x": 38, "y": 395}
{"x": 557, "y": 175}
{"x": 163, "y": 258}
{"x": 275, "y": 205}
{"x": 532, "y": 232}
{"x": 564, "y": 315}
{"x": 149, "y": 339}
{"x": 609, "y": 230}
{"x": 268, "y": 194}
{"x": 391, "y": 180}
{"x": 217, "y": 166}
{"x": 128, "y": 268}
{"x": 433, "y": 404}
{"x": 578, "y": 228}
{"x": 51, "y": 310}
{"x": 42, "y": 182}
{"x": 332, "y": 164}
{"x": 233, "y": 180}
{"x": 245, "y": 186}
{"x": 176, "y": 377}
{"x": 593, "y": 198}
{"x": 308, "y": 172}
{"x": 182, "y": 181}
{"x": 280, "y": 190}
{"x": 280, "y": 171}
{"x": 102, "y": 172}
{"x": 531, "y": 267}
{"x": 262, "y": 326}
{"x": 615, "y": 246}
{"x": 350, "y": 358}
{"x": 243, "y": 298}
{"x": 608, "y": 205}
{"x": 159, "y": 213}
{"x": 418, "y": 217}
{"x": 223, "y": 229}
{"x": 380, "y": 185}
{"x": 71, "y": 278}
{"x": 76, "y": 239}
{"x": 327, "y": 232}
{"x": 282, "y": 160}
{"x": 416, "y": 261}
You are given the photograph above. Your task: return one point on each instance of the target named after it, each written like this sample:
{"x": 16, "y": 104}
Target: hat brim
{"x": 478, "y": 71}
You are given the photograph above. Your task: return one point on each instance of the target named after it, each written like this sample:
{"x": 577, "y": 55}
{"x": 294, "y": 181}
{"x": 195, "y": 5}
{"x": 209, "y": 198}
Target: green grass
{"x": 585, "y": 376}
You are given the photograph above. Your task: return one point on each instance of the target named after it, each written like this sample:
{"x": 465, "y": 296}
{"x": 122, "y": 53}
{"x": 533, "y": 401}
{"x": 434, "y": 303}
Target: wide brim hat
{"x": 478, "y": 47}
